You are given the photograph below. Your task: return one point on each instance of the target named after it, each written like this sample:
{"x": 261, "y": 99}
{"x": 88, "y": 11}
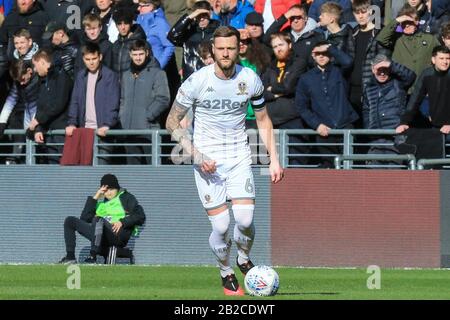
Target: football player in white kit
{"x": 218, "y": 95}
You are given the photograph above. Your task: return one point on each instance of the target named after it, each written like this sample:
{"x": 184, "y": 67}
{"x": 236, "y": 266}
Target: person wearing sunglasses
{"x": 301, "y": 29}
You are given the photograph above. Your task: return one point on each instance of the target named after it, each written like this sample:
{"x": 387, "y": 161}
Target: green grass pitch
{"x": 203, "y": 283}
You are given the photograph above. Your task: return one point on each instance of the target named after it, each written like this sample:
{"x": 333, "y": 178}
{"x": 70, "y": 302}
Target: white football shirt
{"x": 220, "y": 107}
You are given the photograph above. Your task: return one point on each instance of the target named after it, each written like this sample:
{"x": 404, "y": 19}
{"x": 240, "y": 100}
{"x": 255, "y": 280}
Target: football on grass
{"x": 262, "y": 281}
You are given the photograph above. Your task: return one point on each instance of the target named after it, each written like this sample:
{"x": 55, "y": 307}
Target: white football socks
{"x": 218, "y": 241}
{"x": 244, "y": 230}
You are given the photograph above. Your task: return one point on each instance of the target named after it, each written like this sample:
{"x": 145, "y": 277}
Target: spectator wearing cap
{"x": 233, "y": 13}
{"x": 65, "y": 49}
{"x": 276, "y": 9}
{"x": 411, "y": 48}
{"x": 301, "y": 30}
{"x": 28, "y": 15}
{"x": 321, "y": 97}
{"x": 191, "y": 30}
{"x": 128, "y": 33}
{"x": 109, "y": 218}
{"x": 385, "y": 95}
{"x": 384, "y": 100}
{"x": 254, "y": 23}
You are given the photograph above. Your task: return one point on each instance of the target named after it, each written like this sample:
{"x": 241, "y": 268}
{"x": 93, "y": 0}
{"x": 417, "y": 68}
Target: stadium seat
{"x": 117, "y": 252}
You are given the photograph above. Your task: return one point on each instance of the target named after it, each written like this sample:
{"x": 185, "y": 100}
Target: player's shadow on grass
{"x": 306, "y": 293}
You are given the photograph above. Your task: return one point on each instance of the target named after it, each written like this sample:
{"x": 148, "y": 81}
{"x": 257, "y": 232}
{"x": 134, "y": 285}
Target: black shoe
{"x": 231, "y": 286}
{"x": 90, "y": 259}
{"x": 245, "y": 267}
{"x": 66, "y": 260}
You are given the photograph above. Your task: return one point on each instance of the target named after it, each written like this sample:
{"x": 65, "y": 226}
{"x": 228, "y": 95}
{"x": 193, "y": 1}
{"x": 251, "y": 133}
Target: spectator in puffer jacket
{"x": 144, "y": 97}
{"x": 385, "y": 95}
{"x": 65, "y": 49}
{"x": 385, "y": 98}
{"x": 191, "y": 30}
{"x": 128, "y": 33}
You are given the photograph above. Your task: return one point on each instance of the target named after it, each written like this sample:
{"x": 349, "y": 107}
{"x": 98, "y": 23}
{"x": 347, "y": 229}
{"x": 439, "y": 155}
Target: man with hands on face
{"x": 321, "y": 97}
{"x": 109, "y": 218}
{"x": 189, "y": 32}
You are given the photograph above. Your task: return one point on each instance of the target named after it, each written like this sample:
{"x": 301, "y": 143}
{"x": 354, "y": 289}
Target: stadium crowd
{"x": 117, "y": 64}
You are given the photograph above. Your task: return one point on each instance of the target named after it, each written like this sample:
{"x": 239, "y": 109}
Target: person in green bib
{"x": 109, "y": 218}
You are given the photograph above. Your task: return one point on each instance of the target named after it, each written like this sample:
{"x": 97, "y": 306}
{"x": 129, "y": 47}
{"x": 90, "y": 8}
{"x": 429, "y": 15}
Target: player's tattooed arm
{"x": 179, "y": 134}
{"x": 174, "y": 118}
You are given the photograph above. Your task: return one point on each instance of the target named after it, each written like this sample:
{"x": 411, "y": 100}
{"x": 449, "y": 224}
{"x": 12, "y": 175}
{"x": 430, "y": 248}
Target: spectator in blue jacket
{"x": 156, "y": 27}
{"x": 95, "y": 97}
{"x": 153, "y": 21}
{"x": 233, "y": 13}
{"x": 6, "y": 6}
{"x": 322, "y": 99}
{"x": 385, "y": 95}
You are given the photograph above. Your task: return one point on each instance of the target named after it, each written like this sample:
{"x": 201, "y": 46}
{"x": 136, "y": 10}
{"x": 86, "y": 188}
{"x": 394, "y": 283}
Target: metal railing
{"x": 293, "y": 144}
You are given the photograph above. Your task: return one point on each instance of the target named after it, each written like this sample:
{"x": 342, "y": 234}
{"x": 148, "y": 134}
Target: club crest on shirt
{"x": 242, "y": 87}
{"x": 208, "y": 198}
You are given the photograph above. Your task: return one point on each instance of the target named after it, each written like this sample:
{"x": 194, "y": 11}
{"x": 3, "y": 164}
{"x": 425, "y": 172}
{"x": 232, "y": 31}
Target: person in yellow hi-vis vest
{"x": 109, "y": 218}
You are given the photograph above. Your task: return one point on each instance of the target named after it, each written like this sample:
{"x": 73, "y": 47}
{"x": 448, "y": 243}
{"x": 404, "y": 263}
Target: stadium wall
{"x": 329, "y": 218}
